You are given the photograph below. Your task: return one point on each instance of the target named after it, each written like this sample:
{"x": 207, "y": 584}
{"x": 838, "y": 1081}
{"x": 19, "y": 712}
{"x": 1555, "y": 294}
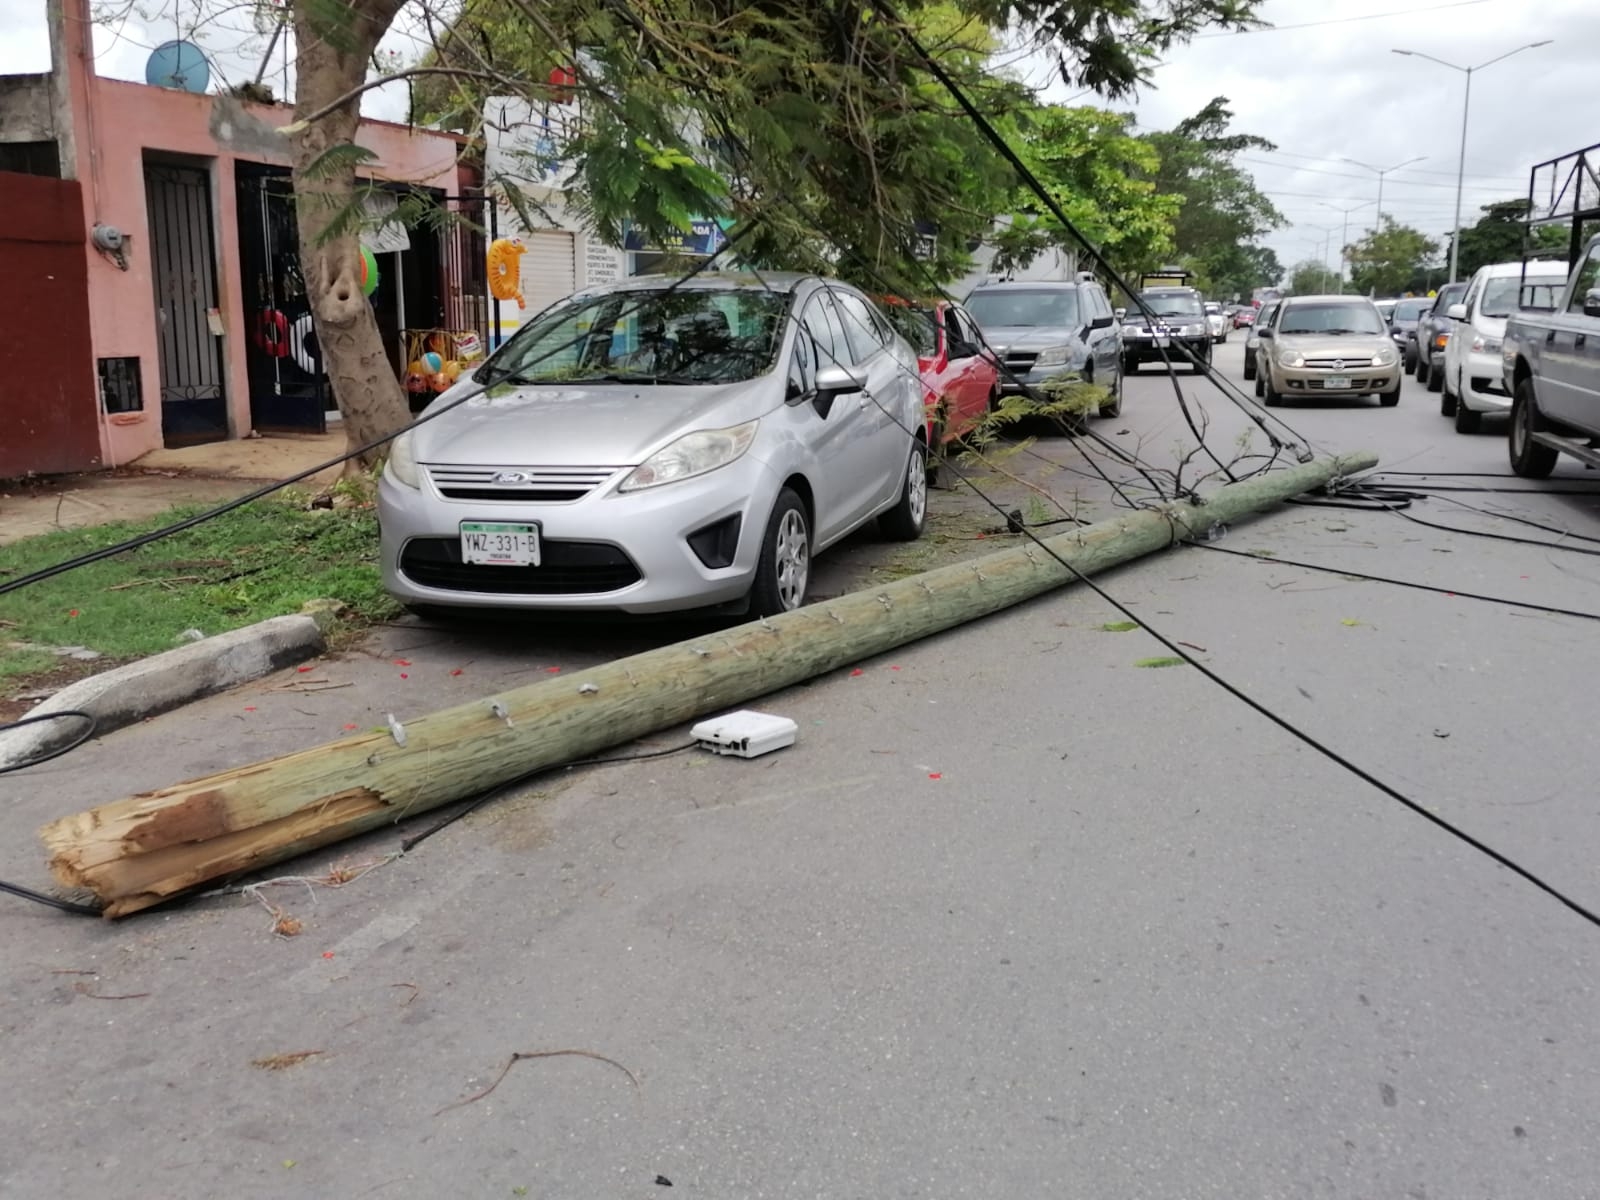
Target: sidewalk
{"x": 162, "y": 480}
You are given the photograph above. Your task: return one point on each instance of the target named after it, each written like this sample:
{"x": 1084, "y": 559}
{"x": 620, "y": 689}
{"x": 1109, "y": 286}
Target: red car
{"x": 959, "y": 376}
{"x": 1244, "y": 318}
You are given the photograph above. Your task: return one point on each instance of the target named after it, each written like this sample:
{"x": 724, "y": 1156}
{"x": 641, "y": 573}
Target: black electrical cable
{"x": 478, "y": 801}
{"x": 993, "y": 136}
{"x": 64, "y": 714}
{"x": 165, "y": 531}
{"x": 1500, "y": 516}
{"x": 1405, "y": 583}
{"x": 1179, "y": 652}
{"x": 66, "y": 906}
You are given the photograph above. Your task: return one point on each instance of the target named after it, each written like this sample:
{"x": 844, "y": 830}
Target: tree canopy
{"x": 1392, "y": 259}
{"x": 1312, "y": 278}
{"x": 1498, "y": 237}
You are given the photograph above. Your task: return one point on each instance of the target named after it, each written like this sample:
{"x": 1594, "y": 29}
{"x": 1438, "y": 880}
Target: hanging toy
{"x": 369, "y": 272}
{"x": 432, "y": 364}
{"x": 505, "y": 270}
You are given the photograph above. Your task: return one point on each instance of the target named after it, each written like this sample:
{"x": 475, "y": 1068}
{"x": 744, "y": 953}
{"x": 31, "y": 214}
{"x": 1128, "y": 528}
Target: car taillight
{"x": 1441, "y": 340}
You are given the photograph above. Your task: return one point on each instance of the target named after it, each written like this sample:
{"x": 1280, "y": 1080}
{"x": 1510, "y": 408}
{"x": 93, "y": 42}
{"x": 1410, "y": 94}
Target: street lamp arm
{"x": 1509, "y": 53}
{"x": 1440, "y": 61}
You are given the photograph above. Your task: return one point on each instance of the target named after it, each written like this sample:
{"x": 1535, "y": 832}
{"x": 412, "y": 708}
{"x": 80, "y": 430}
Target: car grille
{"x": 1019, "y": 362}
{"x": 535, "y": 485}
{"x": 1338, "y": 364}
{"x": 565, "y": 569}
{"x": 1316, "y": 385}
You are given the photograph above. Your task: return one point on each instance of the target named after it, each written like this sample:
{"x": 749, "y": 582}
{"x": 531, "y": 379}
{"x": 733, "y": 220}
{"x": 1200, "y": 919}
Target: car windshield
{"x": 1178, "y": 304}
{"x": 913, "y": 324}
{"x": 1264, "y": 313}
{"x": 1333, "y": 319}
{"x": 693, "y": 336}
{"x": 1500, "y": 294}
{"x": 1017, "y": 306}
{"x": 1448, "y": 296}
{"x": 1410, "y": 310}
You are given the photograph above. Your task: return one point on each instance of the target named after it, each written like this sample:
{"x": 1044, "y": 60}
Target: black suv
{"x": 1046, "y": 329}
{"x": 1180, "y": 322}
{"x": 1433, "y": 331}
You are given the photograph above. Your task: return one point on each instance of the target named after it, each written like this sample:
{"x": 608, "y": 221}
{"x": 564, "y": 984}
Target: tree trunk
{"x": 334, "y": 44}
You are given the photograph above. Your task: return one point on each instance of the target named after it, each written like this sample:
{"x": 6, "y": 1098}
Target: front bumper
{"x": 1313, "y": 381}
{"x": 1483, "y": 383}
{"x": 1137, "y": 351}
{"x": 1020, "y": 374}
{"x": 606, "y": 552}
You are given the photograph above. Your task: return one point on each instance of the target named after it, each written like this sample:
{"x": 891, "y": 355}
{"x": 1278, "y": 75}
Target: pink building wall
{"x": 116, "y": 124}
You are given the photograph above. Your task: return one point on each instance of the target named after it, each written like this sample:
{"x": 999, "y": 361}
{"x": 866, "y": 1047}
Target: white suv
{"x": 1474, "y": 381}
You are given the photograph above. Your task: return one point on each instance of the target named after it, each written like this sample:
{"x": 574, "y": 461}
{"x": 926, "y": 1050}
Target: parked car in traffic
{"x": 657, "y": 445}
{"x": 1179, "y": 332}
{"x": 1216, "y": 321}
{"x": 1551, "y": 365}
{"x": 1252, "y": 343}
{"x": 1325, "y": 345}
{"x": 1433, "y": 334}
{"x": 960, "y": 380}
{"x": 1244, "y": 317}
{"x": 1047, "y": 330}
{"x": 1474, "y": 375}
{"x": 1403, "y": 328}
{"x": 1386, "y": 308}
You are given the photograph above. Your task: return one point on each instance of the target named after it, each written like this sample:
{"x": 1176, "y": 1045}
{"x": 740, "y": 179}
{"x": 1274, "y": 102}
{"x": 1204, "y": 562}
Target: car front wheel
{"x": 785, "y": 566}
{"x": 1422, "y": 370}
{"x": 1249, "y": 365}
{"x": 904, "y": 522}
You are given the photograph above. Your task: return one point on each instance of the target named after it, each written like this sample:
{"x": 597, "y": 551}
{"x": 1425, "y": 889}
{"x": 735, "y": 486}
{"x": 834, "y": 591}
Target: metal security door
{"x": 194, "y": 406}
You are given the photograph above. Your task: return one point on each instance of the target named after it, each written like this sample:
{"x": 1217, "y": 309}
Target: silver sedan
{"x": 643, "y": 448}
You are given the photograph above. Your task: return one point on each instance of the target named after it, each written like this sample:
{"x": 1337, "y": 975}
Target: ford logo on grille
{"x": 509, "y": 477}
{"x": 1338, "y": 364}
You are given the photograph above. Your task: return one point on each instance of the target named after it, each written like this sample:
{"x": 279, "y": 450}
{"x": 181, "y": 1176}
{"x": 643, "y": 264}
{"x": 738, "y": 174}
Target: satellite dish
{"x": 180, "y": 65}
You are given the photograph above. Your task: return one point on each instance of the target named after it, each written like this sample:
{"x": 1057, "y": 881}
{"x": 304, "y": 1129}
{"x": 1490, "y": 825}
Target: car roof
{"x": 775, "y": 281}
{"x": 1537, "y": 266}
{"x": 1332, "y": 298}
{"x": 1029, "y": 285}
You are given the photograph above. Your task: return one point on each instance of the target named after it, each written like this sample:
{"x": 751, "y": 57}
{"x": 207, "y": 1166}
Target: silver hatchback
{"x": 648, "y": 448}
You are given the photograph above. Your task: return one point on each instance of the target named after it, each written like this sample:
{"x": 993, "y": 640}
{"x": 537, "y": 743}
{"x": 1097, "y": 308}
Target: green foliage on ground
{"x": 264, "y": 560}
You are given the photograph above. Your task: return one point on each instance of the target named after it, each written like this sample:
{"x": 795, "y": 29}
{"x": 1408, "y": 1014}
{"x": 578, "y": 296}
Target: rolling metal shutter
{"x": 549, "y": 268}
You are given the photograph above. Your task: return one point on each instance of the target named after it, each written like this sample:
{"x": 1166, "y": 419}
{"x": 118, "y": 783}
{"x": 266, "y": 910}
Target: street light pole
{"x": 1380, "y": 172}
{"x": 1344, "y": 238}
{"x": 1466, "y": 108}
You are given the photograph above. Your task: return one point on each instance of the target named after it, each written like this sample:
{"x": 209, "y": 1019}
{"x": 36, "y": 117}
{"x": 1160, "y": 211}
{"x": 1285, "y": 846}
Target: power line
{"x": 1399, "y": 12}
{"x": 1393, "y": 181}
{"x": 1412, "y": 170}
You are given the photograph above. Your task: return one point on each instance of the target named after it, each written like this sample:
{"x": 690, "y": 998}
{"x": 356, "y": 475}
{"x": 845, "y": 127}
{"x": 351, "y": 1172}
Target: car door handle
{"x": 1550, "y": 337}
{"x": 1580, "y": 341}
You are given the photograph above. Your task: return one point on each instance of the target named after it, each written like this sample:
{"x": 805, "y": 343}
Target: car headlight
{"x": 1486, "y": 345}
{"x": 1385, "y": 358}
{"x": 1193, "y": 330}
{"x": 1055, "y": 356}
{"x": 693, "y": 454}
{"x": 1291, "y": 358}
{"x": 403, "y": 462}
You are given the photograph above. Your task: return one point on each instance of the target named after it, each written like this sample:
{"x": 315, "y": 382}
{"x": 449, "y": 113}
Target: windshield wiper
{"x": 603, "y": 377}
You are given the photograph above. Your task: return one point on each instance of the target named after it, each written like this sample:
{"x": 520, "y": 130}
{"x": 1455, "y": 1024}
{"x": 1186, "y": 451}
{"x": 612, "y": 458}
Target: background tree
{"x": 1243, "y": 269}
{"x": 1391, "y": 259}
{"x": 1223, "y": 211}
{"x": 1498, "y": 237}
{"x": 835, "y": 143}
{"x": 1312, "y": 278}
{"x": 1101, "y": 175}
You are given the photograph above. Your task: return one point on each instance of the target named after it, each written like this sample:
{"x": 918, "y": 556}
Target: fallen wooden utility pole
{"x": 137, "y": 852}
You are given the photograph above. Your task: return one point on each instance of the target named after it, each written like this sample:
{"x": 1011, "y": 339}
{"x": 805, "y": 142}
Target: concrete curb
{"x": 165, "y": 681}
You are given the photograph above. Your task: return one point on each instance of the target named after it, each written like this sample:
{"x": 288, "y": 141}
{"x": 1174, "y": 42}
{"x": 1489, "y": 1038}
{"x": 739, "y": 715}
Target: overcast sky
{"x": 1323, "y": 86}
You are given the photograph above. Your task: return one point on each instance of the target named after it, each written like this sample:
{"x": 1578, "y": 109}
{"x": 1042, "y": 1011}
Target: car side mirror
{"x": 1101, "y": 323}
{"x": 1591, "y": 303}
{"x": 836, "y": 380}
{"x": 1264, "y": 334}
{"x": 959, "y": 349}
{"x": 1456, "y": 312}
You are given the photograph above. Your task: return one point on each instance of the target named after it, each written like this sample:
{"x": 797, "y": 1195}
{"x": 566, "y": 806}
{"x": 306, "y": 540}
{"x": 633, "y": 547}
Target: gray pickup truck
{"x": 1552, "y": 370}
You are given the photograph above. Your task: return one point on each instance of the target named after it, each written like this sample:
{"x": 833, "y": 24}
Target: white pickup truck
{"x": 1552, "y": 370}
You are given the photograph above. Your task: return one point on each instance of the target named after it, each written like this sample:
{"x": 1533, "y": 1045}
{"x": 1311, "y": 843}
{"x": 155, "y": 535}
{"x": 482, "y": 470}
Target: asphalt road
{"x": 1016, "y": 917}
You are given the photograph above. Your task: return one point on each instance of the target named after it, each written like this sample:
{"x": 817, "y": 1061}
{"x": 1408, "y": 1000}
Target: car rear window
{"x": 1410, "y": 310}
{"x": 1500, "y": 294}
{"x": 1173, "y": 304}
{"x": 1009, "y": 307}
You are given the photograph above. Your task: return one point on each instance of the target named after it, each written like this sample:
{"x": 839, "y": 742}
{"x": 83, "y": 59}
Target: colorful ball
{"x": 439, "y": 383}
{"x": 369, "y": 272}
{"x": 432, "y": 364}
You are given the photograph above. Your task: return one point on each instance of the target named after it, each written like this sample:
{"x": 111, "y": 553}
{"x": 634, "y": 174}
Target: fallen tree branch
{"x": 522, "y": 1056}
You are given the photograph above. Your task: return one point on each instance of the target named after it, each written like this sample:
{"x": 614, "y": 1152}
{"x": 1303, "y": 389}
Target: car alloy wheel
{"x": 784, "y": 569}
{"x": 905, "y": 520}
{"x": 1529, "y": 459}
